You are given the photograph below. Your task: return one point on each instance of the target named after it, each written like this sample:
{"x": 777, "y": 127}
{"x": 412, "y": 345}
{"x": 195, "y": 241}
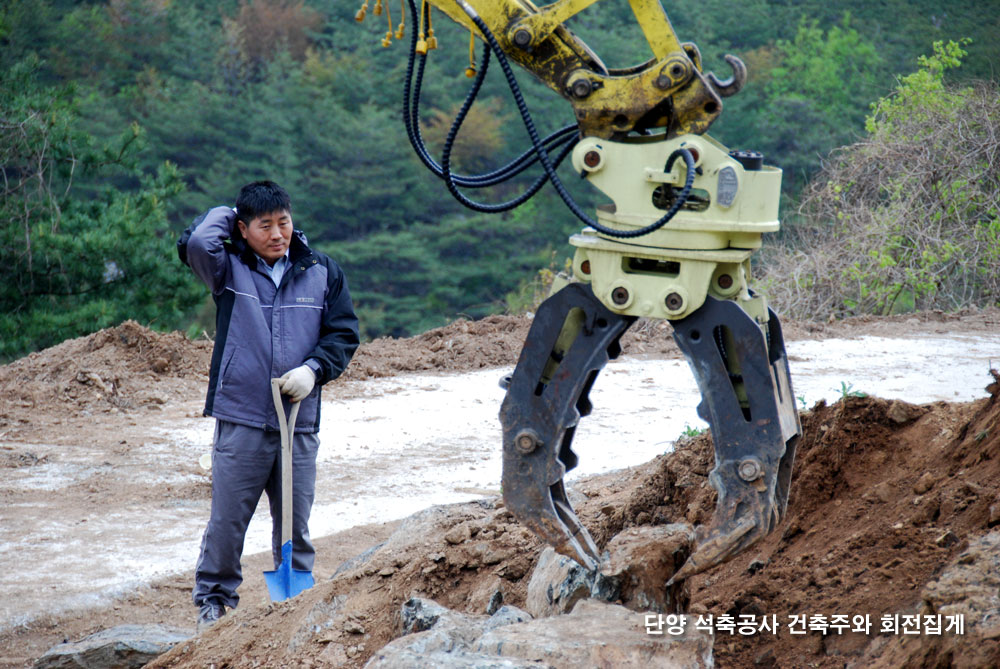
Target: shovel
{"x": 285, "y": 582}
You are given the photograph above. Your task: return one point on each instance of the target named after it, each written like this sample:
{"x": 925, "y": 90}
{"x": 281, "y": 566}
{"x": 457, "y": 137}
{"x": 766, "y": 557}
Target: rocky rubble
{"x": 894, "y": 510}
{"x": 868, "y": 532}
{"x": 592, "y": 634}
{"x": 122, "y": 647}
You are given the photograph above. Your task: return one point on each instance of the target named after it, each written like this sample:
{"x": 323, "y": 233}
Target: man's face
{"x": 269, "y": 234}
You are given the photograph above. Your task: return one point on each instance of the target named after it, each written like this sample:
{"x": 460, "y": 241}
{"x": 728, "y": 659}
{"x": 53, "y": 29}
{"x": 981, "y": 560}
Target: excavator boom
{"x": 667, "y": 91}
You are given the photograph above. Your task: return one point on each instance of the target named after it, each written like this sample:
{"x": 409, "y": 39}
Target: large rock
{"x": 556, "y": 585}
{"x": 428, "y": 626}
{"x": 597, "y": 634}
{"x": 507, "y": 615}
{"x": 435, "y": 636}
{"x": 121, "y": 647}
{"x": 487, "y": 596}
{"x": 640, "y": 561}
{"x": 406, "y": 658}
{"x": 594, "y": 634}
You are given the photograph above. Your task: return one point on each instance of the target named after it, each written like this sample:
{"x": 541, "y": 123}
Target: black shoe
{"x": 209, "y": 613}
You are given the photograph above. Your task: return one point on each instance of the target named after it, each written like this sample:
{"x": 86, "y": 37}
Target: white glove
{"x": 298, "y": 383}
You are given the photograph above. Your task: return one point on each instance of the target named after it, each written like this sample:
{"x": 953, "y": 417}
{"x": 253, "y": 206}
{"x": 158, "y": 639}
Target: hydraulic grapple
{"x": 674, "y": 244}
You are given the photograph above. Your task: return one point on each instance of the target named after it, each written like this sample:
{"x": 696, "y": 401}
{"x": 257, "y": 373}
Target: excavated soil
{"x": 885, "y": 495}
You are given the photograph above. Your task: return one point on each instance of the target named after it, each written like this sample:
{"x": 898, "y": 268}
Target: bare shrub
{"x": 908, "y": 218}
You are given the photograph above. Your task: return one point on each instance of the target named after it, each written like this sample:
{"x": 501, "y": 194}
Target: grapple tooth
{"x": 554, "y": 521}
{"x": 747, "y": 399}
{"x": 571, "y": 339}
{"x": 718, "y": 546}
{"x": 745, "y": 513}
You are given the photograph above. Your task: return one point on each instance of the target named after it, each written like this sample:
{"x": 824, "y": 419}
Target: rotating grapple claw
{"x": 742, "y": 372}
{"x": 572, "y": 337}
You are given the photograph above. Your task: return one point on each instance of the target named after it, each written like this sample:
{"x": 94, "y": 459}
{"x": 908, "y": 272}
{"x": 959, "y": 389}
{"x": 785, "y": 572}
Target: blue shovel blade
{"x": 285, "y": 582}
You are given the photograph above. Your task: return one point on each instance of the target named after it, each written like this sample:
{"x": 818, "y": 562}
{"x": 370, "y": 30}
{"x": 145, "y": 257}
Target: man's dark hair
{"x": 259, "y": 198}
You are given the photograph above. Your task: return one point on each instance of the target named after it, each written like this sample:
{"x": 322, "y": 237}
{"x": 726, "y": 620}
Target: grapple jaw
{"x": 742, "y": 373}
{"x": 572, "y": 337}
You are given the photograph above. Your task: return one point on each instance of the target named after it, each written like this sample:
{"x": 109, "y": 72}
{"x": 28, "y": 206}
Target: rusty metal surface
{"x": 748, "y": 402}
{"x": 572, "y": 337}
{"x": 668, "y": 91}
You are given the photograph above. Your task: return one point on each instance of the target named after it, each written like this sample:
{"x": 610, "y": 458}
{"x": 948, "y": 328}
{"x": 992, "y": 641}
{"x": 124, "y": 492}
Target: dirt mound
{"x": 886, "y": 494}
{"x": 115, "y": 367}
{"x": 130, "y": 366}
{"x": 494, "y": 341}
{"x": 462, "y": 345}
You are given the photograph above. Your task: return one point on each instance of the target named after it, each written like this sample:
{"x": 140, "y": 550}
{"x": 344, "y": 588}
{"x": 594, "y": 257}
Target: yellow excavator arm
{"x": 667, "y": 91}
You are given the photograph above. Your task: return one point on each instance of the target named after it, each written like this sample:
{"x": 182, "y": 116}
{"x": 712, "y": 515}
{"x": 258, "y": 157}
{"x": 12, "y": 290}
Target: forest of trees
{"x": 121, "y": 120}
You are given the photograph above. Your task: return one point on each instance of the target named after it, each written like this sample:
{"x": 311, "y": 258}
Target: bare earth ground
{"x": 859, "y": 538}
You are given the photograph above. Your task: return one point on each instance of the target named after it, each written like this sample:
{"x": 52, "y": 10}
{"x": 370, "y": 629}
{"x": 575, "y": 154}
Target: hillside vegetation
{"x": 907, "y": 218}
{"x": 120, "y": 120}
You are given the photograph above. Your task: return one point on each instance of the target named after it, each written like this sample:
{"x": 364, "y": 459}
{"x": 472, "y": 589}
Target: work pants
{"x": 245, "y": 463}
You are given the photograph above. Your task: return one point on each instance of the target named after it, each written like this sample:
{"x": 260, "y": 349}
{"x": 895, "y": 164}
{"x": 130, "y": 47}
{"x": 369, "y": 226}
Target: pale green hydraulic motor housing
{"x": 704, "y": 250}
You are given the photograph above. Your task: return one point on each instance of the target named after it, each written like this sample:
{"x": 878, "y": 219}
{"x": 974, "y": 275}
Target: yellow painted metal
{"x": 630, "y": 172}
{"x": 685, "y": 259}
{"x": 705, "y": 249}
{"x": 607, "y": 103}
{"x": 542, "y": 24}
{"x": 656, "y": 27}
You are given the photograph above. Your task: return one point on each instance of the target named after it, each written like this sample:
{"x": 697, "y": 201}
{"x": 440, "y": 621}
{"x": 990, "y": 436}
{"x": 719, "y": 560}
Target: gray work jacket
{"x": 263, "y": 330}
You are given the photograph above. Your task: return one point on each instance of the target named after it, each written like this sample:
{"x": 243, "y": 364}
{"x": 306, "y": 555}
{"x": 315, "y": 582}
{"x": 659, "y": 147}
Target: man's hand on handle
{"x": 298, "y": 383}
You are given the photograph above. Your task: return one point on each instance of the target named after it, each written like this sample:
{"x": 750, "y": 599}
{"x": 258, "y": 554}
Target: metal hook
{"x": 733, "y": 84}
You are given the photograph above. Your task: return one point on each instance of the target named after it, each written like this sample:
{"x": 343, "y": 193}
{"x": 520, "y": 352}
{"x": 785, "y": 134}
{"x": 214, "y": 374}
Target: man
{"x": 282, "y": 311}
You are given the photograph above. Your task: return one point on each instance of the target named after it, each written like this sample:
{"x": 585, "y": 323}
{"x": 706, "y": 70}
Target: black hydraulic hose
{"x": 544, "y": 157}
{"x": 449, "y": 142}
{"x": 513, "y": 168}
{"x": 412, "y": 123}
{"x": 452, "y": 185}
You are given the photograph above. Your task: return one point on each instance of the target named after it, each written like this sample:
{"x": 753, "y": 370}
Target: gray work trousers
{"x": 245, "y": 463}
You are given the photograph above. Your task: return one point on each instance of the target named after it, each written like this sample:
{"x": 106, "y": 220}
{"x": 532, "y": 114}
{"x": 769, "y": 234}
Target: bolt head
{"x": 526, "y": 441}
{"x": 522, "y": 38}
{"x": 582, "y": 88}
{"x": 751, "y": 469}
{"x": 619, "y": 295}
{"x": 585, "y": 267}
{"x": 725, "y": 281}
{"x": 592, "y": 159}
{"x": 674, "y": 302}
